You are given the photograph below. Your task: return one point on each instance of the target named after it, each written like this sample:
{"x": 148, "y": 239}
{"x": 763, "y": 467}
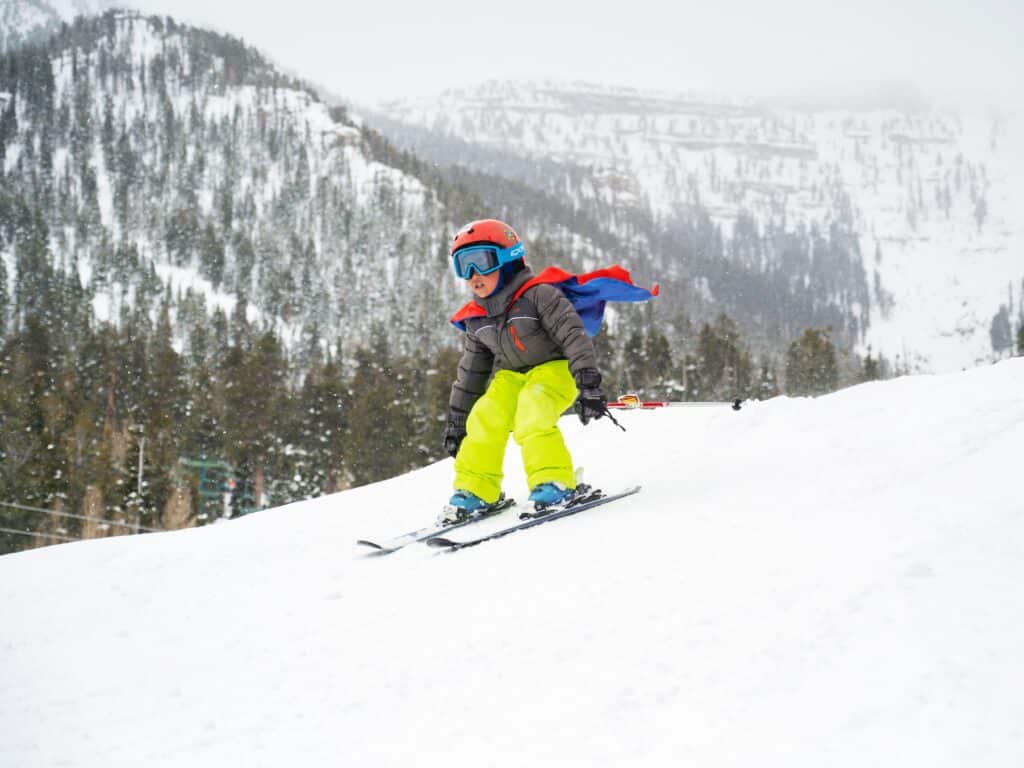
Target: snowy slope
{"x": 807, "y": 582}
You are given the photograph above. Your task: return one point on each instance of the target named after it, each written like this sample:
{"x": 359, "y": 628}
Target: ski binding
{"x": 595, "y": 498}
{"x": 391, "y": 545}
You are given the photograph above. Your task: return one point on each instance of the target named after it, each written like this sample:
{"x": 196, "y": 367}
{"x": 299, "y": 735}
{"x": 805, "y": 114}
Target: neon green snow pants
{"x": 527, "y": 405}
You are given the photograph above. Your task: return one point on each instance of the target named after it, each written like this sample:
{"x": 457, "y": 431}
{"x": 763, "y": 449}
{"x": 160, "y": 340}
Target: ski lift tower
{"x": 216, "y": 483}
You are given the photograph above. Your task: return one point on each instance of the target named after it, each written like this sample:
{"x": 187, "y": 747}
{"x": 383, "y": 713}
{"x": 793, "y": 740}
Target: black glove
{"x": 591, "y": 403}
{"x": 454, "y": 432}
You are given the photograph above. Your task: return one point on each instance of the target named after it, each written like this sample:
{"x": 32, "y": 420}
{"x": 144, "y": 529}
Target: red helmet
{"x": 485, "y": 231}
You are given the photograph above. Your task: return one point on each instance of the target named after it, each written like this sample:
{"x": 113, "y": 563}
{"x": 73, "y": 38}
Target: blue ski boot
{"x": 461, "y": 505}
{"x": 550, "y": 494}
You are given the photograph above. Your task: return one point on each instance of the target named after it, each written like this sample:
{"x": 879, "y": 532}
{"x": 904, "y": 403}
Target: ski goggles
{"x": 484, "y": 258}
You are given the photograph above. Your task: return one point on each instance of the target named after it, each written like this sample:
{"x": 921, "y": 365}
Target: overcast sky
{"x": 381, "y": 49}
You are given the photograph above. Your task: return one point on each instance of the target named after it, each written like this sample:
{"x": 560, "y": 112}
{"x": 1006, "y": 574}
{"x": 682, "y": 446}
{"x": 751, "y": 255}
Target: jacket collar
{"x": 498, "y": 302}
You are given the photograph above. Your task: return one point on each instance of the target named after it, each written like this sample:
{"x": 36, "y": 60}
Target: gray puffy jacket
{"x": 539, "y": 326}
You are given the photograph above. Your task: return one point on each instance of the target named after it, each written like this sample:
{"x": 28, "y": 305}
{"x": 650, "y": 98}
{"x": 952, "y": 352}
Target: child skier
{"x": 527, "y": 357}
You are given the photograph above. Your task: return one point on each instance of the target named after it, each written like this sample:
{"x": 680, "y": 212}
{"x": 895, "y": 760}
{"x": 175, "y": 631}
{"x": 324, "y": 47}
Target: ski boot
{"x": 464, "y": 505}
{"x": 552, "y": 497}
{"x": 551, "y": 494}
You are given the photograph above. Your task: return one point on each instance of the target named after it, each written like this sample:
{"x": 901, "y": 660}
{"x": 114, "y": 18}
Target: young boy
{"x": 525, "y": 338}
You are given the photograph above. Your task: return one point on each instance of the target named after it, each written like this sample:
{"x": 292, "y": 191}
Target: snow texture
{"x": 808, "y": 582}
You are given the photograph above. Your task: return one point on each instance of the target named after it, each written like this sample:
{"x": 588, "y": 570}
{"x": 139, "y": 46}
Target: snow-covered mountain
{"x": 807, "y": 582}
{"x": 934, "y": 196}
{"x": 159, "y": 156}
{"x": 184, "y": 159}
{"x": 23, "y": 21}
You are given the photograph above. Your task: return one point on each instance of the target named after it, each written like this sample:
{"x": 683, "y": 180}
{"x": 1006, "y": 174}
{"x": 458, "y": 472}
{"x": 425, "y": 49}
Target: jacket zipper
{"x": 515, "y": 338}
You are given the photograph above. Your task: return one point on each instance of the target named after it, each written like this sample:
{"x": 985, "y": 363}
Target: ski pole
{"x": 628, "y": 402}
{"x": 615, "y": 421}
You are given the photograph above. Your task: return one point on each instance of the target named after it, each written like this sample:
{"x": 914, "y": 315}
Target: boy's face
{"x": 483, "y": 285}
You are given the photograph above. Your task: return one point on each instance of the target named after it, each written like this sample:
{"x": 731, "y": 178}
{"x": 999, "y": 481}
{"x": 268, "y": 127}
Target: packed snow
{"x": 805, "y": 582}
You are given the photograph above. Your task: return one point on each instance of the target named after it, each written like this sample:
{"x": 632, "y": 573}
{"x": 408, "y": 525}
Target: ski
{"x": 533, "y": 519}
{"x": 391, "y": 545}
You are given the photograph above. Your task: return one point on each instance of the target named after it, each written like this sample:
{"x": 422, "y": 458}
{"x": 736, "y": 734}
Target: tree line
{"x": 110, "y": 421}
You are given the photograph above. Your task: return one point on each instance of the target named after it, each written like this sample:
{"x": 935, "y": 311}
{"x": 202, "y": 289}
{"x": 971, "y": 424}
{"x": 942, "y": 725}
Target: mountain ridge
{"x": 217, "y": 138}
{"x": 270, "y": 261}
{"x": 905, "y": 183}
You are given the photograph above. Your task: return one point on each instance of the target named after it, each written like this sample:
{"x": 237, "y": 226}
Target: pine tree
{"x": 4, "y": 301}
{"x": 126, "y": 179}
{"x": 307, "y": 437}
{"x": 181, "y": 234}
{"x": 768, "y": 382}
{"x": 379, "y": 424}
{"x": 264, "y": 412}
{"x": 332, "y": 407}
{"x": 35, "y": 282}
{"x": 202, "y": 428}
{"x": 240, "y": 451}
{"x": 658, "y": 356}
{"x": 166, "y": 407}
{"x": 166, "y": 392}
{"x": 41, "y": 476}
{"x": 1000, "y": 332}
{"x": 871, "y": 370}
{"x": 241, "y": 328}
{"x": 19, "y": 444}
{"x": 723, "y": 366}
{"x": 211, "y": 256}
{"x": 634, "y": 363}
{"x": 811, "y": 367}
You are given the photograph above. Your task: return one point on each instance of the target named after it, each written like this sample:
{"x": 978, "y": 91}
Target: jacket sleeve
{"x": 475, "y": 367}
{"x": 562, "y": 323}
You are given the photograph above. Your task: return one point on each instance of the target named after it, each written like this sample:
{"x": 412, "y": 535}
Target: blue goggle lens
{"x": 484, "y": 259}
